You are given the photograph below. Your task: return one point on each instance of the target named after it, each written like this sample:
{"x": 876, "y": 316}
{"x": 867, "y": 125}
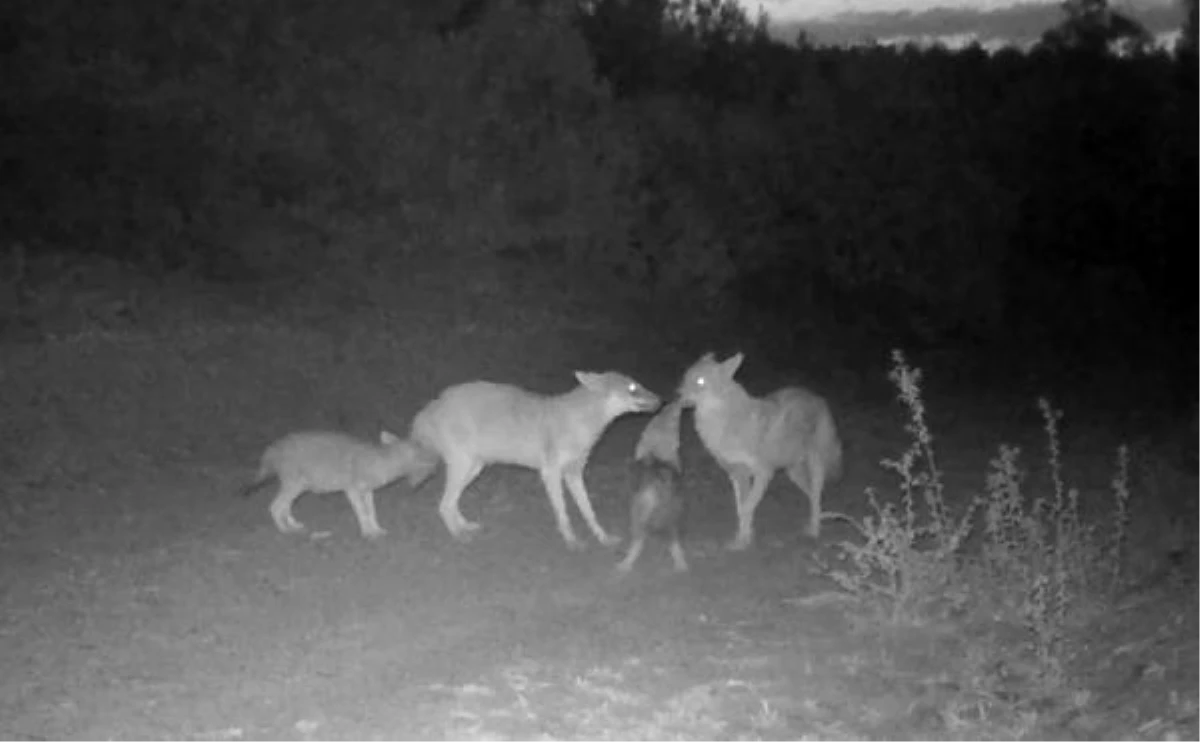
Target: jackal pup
{"x": 470, "y": 426}
{"x": 322, "y": 461}
{"x": 657, "y": 506}
{"x": 753, "y": 437}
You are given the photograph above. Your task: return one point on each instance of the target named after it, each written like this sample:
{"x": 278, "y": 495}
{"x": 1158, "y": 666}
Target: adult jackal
{"x": 470, "y": 426}
{"x": 753, "y": 437}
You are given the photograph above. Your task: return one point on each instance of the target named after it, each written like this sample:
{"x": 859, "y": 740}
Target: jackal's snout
{"x": 706, "y": 377}
{"x": 691, "y": 388}
{"x": 640, "y": 399}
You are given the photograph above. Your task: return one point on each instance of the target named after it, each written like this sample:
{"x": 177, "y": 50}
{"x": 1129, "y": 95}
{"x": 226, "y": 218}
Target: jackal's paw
{"x": 374, "y": 534}
{"x": 609, "y": 539}
{"x": 740, "y": 543}
{"x": 678, "y": 558}
{"x": 459, "y": 527}
{"x": 289, "y": 527}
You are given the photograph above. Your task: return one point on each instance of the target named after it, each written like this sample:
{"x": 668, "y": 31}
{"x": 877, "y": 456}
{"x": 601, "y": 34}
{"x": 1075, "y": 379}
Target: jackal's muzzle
{"x": 642, "y": 399}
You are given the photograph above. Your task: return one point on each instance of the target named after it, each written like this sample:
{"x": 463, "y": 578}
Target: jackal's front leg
{"x": 553, "y": 481}
{"x": 574, "y": 477}
{"x": 744, "y": 484}
{"x": 459, "y": 474}
{"x": 759, "y": 479}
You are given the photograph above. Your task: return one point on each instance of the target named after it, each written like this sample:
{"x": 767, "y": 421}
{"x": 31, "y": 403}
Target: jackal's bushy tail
{"x": 255, "y": 486}
{"x": 834, "y": 456}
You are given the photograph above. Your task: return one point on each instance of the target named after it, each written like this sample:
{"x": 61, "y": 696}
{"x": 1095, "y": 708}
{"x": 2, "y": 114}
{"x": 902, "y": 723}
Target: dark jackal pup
{"x": 657, "y": 507}
{"x": 324, "y": 461}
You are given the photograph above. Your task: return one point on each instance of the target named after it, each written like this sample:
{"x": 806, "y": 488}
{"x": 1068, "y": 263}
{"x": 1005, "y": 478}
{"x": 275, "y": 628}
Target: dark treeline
{"x": 670, "y": 141}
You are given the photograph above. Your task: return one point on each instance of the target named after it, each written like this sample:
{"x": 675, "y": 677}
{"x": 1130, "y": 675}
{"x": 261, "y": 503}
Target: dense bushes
{"x": 1039, "y": 193}
{"x": 674, "y": 142}
{"x": 155, "y": 132}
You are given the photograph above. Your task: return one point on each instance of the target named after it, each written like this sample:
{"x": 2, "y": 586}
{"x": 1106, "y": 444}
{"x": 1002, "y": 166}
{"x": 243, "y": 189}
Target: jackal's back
{"x": 778, "y": 430}
{"x": 491, "y": 421}
{"x": 329, "y": 460}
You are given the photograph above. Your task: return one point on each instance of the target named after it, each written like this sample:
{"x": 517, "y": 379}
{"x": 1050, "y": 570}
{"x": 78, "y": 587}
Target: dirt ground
{"x": 142, "y": 599}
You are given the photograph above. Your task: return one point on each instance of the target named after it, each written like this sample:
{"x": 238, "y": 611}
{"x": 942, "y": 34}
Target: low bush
{"x": 1013, "y": 553}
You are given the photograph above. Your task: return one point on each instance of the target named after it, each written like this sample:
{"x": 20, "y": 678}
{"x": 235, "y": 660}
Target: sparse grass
{"x": 623, "y": 699}
{"x": 1019, "y": 568}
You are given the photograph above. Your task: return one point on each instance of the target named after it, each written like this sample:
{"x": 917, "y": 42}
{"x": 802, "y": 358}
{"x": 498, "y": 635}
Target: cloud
{"x": 1013, "y": 23}
{"x": 796, "y": 10}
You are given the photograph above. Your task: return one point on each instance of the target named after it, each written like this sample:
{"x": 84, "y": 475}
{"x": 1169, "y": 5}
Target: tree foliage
{"x": 672, "y": 141}
{"x": 1191, "y": 26}
{"x": 149, "y": 128}
{"x": 1093, "y": 26}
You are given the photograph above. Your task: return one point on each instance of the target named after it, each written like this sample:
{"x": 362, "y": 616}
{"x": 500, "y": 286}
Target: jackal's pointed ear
{"x": 730, "y": 365}
{"x": 388, "y": 438}
{"x": 708, "y": 357}
{"x": 589, "y": 379}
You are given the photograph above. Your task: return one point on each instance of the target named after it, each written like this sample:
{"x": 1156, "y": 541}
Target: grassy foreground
{"x": 1008, "y": 574}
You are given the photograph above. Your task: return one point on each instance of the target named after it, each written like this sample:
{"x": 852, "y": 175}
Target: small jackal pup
{"x": 470, "y": 426}
{"x": 657, "y": 507}
{"x": 322, "y": 462}
{"x": 753, "y": 437}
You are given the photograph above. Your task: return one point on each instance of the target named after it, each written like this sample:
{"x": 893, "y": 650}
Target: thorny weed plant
{"x": 905, "y": 563}
{"x": 1037, "y": 555}
{"x": 1040, "y": 555}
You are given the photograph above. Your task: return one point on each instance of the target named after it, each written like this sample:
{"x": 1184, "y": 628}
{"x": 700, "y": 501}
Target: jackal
{"x": 323, "y": 461}
{"x": 470, "y": 426}
{"x": 657, "y": 506}
{"x": 753, "y": 437}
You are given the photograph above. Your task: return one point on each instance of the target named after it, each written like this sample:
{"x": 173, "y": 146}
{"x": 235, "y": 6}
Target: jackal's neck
{"x": 733, "y": 396}
{"x": 652, "y": 456}
{"x": 585, "y": 406}
{"x": 716, "y": 413}
{"x": 653, "y": 459}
